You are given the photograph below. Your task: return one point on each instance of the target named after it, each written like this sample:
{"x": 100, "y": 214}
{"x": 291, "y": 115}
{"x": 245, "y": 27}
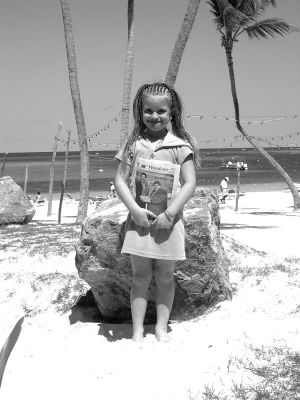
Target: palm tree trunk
{"x": 75, "y": 93}
{"x": 63, "y": 185}
{"x": 26, "y": 180}
{"x": 262, "y": 151}
{"x": 181, "y": 41}
{"x": 3, "y": 165}
{"x": 128, "y": 74}
{"x": 52, "y": 165}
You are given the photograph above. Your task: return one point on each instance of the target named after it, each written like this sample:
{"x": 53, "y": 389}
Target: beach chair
{"x": 40, "y": 202}
{"x": 97, "y": 199}
{"x": 232, "y": 194}
{"x": 223, "y": 195}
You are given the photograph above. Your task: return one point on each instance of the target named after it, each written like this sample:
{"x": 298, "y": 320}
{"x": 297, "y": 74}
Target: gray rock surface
{"x": 15, "y": 208}
{"x": 201, "y": 280}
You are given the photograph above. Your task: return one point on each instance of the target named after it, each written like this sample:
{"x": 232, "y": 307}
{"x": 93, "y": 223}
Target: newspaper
{"x": 154, "y": 184}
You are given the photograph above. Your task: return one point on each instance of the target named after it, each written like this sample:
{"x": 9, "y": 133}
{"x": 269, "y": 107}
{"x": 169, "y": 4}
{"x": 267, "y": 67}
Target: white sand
{"x": 265, "y": 221}
{"x": 54, "y": 359}
{"x": 69, "y": 211}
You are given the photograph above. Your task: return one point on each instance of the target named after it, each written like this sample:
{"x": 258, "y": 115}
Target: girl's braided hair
{"x": 176, "y": 118}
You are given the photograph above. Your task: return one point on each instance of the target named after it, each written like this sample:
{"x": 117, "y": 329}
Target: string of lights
{"x": 105, "y": 127}
{"x": 270, "y": 140}
{"x": 249, "y": 122}
{"x": 273, "y": 143}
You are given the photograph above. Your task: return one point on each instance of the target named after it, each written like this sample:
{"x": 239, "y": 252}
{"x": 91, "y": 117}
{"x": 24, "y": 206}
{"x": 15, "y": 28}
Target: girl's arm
{"x": 188, "y": 178}
{"x": 139, "y": 215}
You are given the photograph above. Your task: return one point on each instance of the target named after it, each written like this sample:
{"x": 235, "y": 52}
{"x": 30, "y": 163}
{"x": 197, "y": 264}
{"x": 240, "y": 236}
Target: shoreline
{"x": 244, "y": 187}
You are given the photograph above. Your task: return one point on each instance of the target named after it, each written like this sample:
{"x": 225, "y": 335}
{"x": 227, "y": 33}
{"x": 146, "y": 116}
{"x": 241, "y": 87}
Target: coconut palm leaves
{"x": 227, "y": 17}
{"x": 232, "y": 18}
{"x": 267, "y": 28}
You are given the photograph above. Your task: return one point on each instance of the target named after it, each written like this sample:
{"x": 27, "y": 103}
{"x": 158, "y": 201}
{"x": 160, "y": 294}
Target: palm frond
{"x": 218, "y": 18}
{"x": 229, "y": 15}
{"x": 214, "y": 7}
{"x": 234, "y": 18}
{"x": 235, "y": 3}
{"x": 255, "y": 7}
{"x": 250, "y": 7}
{"x": 9, "y": 345}
{"x": 270, "y": 27}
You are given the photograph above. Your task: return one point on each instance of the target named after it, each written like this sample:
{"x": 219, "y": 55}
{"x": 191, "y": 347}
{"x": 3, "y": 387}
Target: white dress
{"x": 166, "y": 244}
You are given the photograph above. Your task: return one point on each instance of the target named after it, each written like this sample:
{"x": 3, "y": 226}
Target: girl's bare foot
{"x": 138, "y": 336}
{"x": 162, "y": 335}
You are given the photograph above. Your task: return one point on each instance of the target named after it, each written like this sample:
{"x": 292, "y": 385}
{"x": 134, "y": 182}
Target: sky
{"x": 34, "y": 84}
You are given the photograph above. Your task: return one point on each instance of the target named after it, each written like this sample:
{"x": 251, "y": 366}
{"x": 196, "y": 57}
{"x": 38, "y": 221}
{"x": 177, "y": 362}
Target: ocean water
{"x": 260, "y": 175}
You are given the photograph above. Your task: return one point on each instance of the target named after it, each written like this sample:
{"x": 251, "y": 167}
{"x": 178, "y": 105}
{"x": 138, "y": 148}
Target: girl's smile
{"x": 156, "y": 114}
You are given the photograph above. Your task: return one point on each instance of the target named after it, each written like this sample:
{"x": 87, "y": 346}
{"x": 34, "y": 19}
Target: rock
{"x": 15, "y": 208}
{"x": 201, "y": 280}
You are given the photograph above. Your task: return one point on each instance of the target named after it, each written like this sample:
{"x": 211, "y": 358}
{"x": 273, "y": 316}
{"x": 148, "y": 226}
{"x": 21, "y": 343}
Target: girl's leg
{"x": 164, "y": 275}
{"x": 142, "y": 275}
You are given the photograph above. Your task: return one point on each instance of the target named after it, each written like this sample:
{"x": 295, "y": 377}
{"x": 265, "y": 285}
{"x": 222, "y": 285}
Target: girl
{"x": 155, "y": 242}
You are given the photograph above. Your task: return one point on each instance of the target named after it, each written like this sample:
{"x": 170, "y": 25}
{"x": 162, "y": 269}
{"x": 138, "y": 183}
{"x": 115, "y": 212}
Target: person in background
{"x": 112, "y": 190}
{"x": 224, "y": 189}
{"x": 38, "y": 199}
{"x": 38, "y": 196}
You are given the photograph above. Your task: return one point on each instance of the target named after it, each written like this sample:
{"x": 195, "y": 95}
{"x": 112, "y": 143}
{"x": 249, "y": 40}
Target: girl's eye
{"x": 149, "y": 111}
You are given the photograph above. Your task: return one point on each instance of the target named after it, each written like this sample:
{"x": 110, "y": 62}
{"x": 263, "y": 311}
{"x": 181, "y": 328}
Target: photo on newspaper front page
{"x": 154, "y": 184}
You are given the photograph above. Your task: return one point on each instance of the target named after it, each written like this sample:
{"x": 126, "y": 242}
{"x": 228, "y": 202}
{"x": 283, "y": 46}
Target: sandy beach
{"x": 58, "y": 356}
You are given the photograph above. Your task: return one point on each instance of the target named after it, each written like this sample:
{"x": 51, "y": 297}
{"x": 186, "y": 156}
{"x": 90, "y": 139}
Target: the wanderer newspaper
{"x": 154, "y": 183}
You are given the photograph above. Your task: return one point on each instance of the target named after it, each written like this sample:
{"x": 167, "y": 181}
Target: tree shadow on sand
{"x": 283, "y": 213}
{"x": 44, "y": 239}
{"x": 227, "y": 226}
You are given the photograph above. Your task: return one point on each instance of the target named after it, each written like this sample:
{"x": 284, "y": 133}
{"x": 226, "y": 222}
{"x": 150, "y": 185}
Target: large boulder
{"x": 201, "y": 280}
{"x": 15, "y": 208}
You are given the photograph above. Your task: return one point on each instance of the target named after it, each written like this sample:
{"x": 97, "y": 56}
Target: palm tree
{"x": 233, "y": 18}
{"x": 128, "y": 74}
{"x": 75, "y": 93}
{"x": 181, "y": 41}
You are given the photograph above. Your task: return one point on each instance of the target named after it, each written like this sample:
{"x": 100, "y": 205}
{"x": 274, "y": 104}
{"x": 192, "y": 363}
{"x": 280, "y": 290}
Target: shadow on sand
{"x": 245, "y": 226}
{"x": 86, "y": 311}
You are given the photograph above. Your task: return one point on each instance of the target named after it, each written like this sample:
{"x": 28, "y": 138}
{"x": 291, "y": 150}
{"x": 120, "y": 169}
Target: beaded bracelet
{"x": 168, "y": 216}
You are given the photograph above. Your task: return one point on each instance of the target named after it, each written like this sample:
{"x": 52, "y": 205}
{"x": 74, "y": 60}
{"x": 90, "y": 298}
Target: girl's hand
{"x": 162, "y": 222}
{"x": 143, "y": 217}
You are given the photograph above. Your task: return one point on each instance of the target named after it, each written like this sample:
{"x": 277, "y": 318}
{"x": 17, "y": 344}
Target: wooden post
{"x": 26, "y": 179}
{"x": 237, "y": 187}
{"x": 52, "y": 169}
{"x": 3, "y": 164}
{"x": 64, "y": 178}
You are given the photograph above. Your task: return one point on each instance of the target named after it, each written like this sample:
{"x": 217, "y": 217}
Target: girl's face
{"x": 156, "y": 114}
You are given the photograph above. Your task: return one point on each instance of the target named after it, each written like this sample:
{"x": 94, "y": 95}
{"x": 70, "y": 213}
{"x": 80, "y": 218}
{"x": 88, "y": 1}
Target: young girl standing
{"x": 155, "y": 242}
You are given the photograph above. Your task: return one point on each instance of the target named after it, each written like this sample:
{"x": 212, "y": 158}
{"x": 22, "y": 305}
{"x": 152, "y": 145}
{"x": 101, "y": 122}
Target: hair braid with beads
{"x": 176, "y": 119}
